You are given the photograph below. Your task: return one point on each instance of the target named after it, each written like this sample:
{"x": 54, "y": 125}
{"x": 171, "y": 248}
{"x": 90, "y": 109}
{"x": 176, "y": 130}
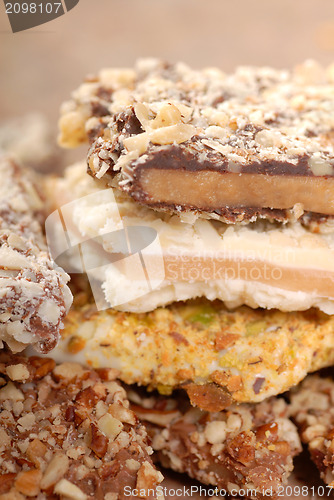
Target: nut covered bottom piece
{"x": 244, "y": 355}
{"x": 34, "y": 297}
{"x": 248, "y": 447}
{"x": 312, "y": 408}
{"x": 68, "y": 432}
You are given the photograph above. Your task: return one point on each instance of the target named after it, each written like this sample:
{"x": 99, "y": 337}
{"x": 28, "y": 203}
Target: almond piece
{"x": 28, "y": 482}
{"x": 68, "y": 371}
{"x": 12, "y": 495}
{"x": 4, "y": 439}
{"x": 11, "y": 392}
{"x": 55, "y": 471}
{"x": 110, "y": 426}
{"x": 208, "y": 397}
{"x": 123, "y": 414}
{"x": 147, "y": 478}
{"x": 88, "y": 398}
{"x": 18, "y": 372}
{"x": 7, "y": 481}
{"x": 35, "y": 451}
{"x": 69, "y": 490}
{"x": 43, "y": 366}
{"x": 99, "y": 442}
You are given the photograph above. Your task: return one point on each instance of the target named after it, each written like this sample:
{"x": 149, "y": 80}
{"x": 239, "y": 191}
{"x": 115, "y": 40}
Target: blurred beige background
{"x": 40, "y": 67}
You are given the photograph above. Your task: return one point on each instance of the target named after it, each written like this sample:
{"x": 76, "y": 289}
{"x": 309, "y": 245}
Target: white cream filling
{"x": 190, "y": 247}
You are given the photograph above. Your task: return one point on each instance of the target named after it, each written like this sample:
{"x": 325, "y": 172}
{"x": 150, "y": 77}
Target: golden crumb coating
{"x": 243, "y": 355}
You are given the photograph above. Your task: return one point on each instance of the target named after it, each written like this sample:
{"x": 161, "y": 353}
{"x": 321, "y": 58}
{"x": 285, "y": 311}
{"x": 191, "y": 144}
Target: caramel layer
{"x": 288, "y": 278}
{"x": 210, "y": 190}
{"x": 206, "y": 269}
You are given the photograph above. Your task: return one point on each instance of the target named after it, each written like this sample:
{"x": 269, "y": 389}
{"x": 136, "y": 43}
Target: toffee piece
{"x": 247, "y": 447}
{"x": 255, "y": 143}
{"x": 68, "y": 432}
{"x": 312, "y": 408}
{"x": 34, "y": 297}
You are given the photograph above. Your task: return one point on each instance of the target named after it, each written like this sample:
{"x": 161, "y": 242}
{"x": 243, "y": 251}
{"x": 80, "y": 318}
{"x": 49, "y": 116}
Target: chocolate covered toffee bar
{"x": 231, "y": 356}
{"x": 312, "y": 408}
{"x": 68, "y": 432}
{"x": 34, "y": 297}
{"x": 246, "y": 450}
{"x": 258, "y": 142}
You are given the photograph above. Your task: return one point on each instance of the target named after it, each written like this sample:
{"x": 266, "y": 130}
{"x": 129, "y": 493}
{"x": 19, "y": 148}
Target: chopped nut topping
{"x": 312, "y": 409}
{"x": 59, "y": 443}
{"x": 34, "y": 297}
{"x": 215, "y": 432}
{"x": 247, "y": 446}
{"x": 110, "y": 426}
{"x": 10, "y": 392}
{"x": 147, "y": 477}
{"x": 36, "y": 450}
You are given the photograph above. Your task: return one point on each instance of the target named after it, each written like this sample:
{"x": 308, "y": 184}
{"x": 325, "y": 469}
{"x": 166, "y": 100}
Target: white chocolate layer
{"x": 259, "y": 264}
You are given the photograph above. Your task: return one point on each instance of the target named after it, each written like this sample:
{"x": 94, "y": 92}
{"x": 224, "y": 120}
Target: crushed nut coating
{"x": 34, "y": 297}
{"x": 68, "y": 432}
{"x": 243, "y": 355}
{"x": 246, "y": 446}
{"x": 312, "y": 408}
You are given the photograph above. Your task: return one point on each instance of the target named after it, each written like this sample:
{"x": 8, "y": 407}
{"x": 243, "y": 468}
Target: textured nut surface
{"x": 59, "y": 439}
{"x": 312, "y": 408}
{"x": 250, "y": 446}
{"x": 34, "y": 297}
